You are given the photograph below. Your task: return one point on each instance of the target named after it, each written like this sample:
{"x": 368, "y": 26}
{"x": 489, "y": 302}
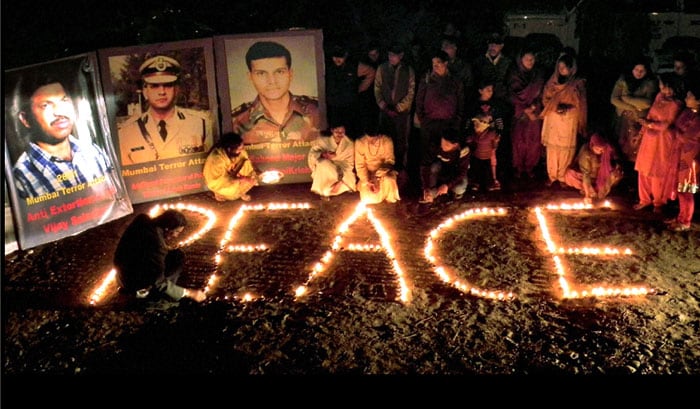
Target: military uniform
{"x": 256, "y": 125}
{"x": 189, "y": 132}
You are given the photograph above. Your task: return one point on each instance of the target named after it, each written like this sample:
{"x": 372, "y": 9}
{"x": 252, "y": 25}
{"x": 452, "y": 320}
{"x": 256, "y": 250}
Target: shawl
{"x": 606, "y": 167}
{"x": 525, "y": 88}
{"x": 571, "y": 91}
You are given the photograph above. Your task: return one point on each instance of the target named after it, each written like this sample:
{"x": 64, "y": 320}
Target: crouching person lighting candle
{"x": 146, "y": 265}
{"x": 595, "y": 171}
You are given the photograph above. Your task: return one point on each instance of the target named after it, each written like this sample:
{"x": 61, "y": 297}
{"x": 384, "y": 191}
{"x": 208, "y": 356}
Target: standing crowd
{"x": 404, "y": 125}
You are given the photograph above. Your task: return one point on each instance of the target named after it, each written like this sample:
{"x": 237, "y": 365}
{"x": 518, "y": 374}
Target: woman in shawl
{"x": 632, "y": 96}
{"x": 595, "y": 171}
{"x": 525, "y": 84}
{"x": 654, "y": 156}
{"x": 564, "y": 117}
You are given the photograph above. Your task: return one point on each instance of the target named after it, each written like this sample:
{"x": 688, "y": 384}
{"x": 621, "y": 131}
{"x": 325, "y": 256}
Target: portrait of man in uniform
{"x": 275, "y": 115}
{"x": 164, "y": 130}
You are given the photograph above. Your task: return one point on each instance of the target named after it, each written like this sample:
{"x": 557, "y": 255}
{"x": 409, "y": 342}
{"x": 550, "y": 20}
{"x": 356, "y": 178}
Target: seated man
{"x": 374, "y": 164}
{"x": 448, "y": 170}
{"x": 228, "y": 172}
{"x": 332, "y": 163}
{"x": 593, "y": 172}
{"x": 145, "y": 264}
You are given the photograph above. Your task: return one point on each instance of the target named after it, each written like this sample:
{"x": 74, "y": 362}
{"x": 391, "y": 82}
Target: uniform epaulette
{"x": 241, "y": 109}
{"x": 183, "y": 113}
{"x": 132, "y": 119}
{"x": 305, "y": 99}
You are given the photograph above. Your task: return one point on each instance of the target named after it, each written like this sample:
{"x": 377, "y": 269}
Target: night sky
{"x": 35, "y": 33}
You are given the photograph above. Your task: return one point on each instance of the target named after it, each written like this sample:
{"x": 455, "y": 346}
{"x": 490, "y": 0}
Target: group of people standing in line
{"x": 658, "y": 134}
{"x": 472, "y": 124}
{"x": 475, "y": 122}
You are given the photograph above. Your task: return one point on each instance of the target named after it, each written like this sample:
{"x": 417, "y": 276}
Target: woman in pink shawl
{"x": 595, "y": 171}
{"x": 525, "y": 84}
{"x": 653, "y": 159}
{"x": 683, "y": 175}
{"x": 565, "y": 117}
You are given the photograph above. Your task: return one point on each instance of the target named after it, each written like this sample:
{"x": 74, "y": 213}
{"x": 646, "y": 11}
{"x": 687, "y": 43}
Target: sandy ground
{"x": 362, "y": 316}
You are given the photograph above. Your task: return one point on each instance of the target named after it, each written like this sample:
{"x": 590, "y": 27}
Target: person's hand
{"x": 197, "y": 295}
{"x": 250, "y": 180}
{"x": 373, "y": 186}
{"x": 442, "y": 190}
{"x": 530, "y": 112}
{"x": 336, "y": 187}
{"x": 563, "y": 108}
{"x": 499, "y": 123}
{"x": 390, "y": 110}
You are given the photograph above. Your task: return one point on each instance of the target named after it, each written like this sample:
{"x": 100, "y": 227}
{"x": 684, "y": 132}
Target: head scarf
{"x": 605, "y": 160}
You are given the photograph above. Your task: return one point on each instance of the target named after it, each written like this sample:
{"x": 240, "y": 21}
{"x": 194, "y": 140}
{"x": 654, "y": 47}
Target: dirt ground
{"x": 352, "y": 320}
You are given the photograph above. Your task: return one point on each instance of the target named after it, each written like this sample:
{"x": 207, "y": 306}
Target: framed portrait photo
{"x": 60, "y": 164}
{"x": 162, "y": 106}
{"x": 272, "y": 93}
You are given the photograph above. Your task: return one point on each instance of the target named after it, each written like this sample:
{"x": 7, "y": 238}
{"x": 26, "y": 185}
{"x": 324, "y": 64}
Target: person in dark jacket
{"x": 394, "y": 89}
{"x": 448, "y": 170}
{"x": 346, "y": 81}
{"x": 146, "y": 265}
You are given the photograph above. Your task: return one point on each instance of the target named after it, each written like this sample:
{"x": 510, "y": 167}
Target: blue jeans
{"x": 436, "y": 178}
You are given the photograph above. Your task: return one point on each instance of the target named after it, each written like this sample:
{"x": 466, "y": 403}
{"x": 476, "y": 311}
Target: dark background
{"x": 610, "y": 32}
{"x": 35, "y": 33}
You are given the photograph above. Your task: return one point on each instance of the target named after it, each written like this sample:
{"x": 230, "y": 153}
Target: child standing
{"x": 487, "y": 104}
{"x": 483, "y": 141}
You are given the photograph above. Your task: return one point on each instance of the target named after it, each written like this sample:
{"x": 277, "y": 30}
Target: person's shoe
{"x": 475, "y": 187}
{"x": 459, "y": 196}
{"x": 496, "y": 186}
{"x": 640, "y": 206}
{"x": 325, "y": 198}
{"x": 679, "y": 227}
{"x": 658, "y": 209}
{"x": 219, "y": 198}
{"x": 588, "y": 200}
{"x": 670, "y": 221}
{"x": 549, "y": 183}
{"x": 245, "y": 198}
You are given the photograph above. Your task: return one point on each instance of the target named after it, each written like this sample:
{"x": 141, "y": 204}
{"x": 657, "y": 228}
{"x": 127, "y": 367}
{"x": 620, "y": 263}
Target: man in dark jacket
{"x": 146, "y": 265}
{"x": 346, "y": 81}
{"x": 394, "y": 89}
